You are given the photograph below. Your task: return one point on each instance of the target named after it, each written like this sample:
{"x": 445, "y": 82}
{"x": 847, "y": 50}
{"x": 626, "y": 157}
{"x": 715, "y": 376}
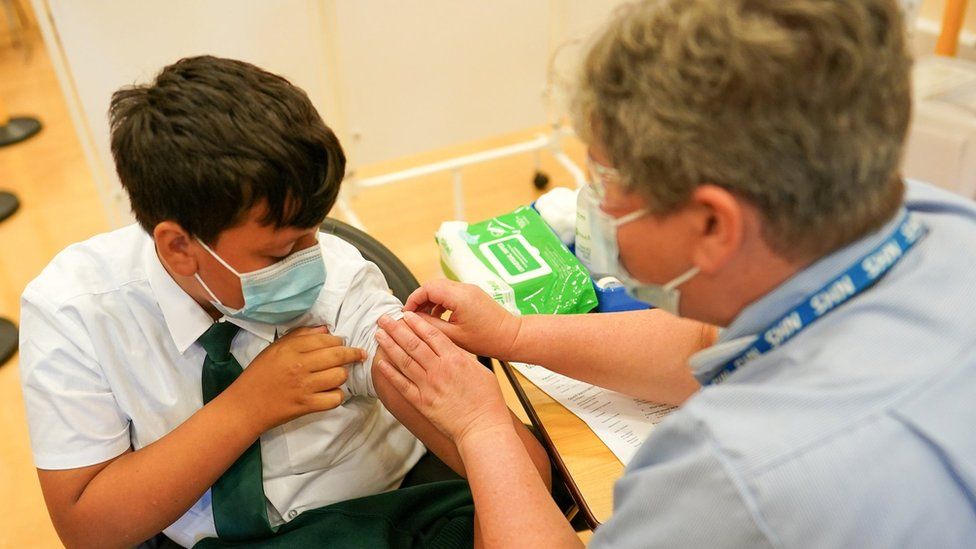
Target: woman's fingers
{"x": 400, "y": 382}
{"x": 436, "y": 292}
{"x": 448, "y": 387}
{"x": 450, "y": 330}
{"x": 417, "y": 300}
{"x": 399, "y": 357}
{"x": 431, "y": 336}
{"x": 407, "y": 340}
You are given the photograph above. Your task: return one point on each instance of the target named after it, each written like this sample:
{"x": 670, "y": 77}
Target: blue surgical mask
{"x": 279, "y": 292}
{"x": 604, "y": 230}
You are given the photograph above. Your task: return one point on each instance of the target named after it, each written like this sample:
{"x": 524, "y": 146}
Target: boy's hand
{"x": 294, "y": 376}
{"x": 477, "y": 323}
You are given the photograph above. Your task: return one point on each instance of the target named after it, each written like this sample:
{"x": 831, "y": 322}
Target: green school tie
{"x": 238, "y": 495}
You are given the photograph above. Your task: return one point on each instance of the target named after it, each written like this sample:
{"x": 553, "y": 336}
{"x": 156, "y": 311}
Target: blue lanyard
{"x": 860, "y": 276}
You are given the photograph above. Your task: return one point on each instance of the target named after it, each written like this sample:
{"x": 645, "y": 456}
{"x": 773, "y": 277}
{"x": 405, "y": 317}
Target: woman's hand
{"x": 477, "y": 322}
{"x": 447, "y": 385}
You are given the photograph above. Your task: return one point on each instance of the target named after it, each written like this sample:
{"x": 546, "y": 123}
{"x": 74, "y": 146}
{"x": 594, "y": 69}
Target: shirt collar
{"x": 758, "y": 315}
{"x": 184, "y": 318}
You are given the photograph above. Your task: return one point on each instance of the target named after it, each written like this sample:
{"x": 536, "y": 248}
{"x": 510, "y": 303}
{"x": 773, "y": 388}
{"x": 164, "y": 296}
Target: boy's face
{"x": 249, "y": 246}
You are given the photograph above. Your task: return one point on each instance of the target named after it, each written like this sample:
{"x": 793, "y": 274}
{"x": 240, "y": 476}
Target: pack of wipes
{"x": 518, "y": 260}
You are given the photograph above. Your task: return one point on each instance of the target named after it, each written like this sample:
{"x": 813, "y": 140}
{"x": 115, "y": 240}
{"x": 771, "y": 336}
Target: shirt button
{"x": 292, "y": 514}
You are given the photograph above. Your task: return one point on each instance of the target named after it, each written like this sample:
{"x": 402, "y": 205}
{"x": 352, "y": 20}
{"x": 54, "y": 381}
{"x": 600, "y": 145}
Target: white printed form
{"x": 621, "y": 422}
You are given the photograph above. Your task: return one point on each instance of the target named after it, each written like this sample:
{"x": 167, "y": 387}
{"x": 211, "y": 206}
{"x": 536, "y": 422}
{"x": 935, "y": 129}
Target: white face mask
{"x": 279, "y": 292}
{"x": 604, "y": 229}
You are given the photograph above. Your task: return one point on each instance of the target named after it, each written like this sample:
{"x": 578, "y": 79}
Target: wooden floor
{"x": 60, "y": 206}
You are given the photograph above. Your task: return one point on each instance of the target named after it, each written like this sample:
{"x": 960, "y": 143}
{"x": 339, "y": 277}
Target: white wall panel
{"x": 423, "y": 74}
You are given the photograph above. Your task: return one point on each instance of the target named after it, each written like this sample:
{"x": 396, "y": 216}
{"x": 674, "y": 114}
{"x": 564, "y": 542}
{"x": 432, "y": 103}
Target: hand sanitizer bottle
{"x": 591, "y": 258}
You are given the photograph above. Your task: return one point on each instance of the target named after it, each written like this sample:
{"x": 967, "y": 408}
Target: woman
{"x": 747, "y": 153}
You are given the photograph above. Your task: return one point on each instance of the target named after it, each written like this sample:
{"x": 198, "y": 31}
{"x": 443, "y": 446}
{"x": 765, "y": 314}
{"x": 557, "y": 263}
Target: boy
{"x": 133, "y": 344}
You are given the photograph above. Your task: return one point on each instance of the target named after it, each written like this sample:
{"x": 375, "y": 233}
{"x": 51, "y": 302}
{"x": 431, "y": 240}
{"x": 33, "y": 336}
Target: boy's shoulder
{"x": 352, "y": 283}
{"x": 337, "y": 249}
{"x": 344, "y": 263}
{"x": 100, "y": 264}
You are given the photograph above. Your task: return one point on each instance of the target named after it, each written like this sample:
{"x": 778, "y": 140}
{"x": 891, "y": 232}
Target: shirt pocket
{"x": 321, "y": 440}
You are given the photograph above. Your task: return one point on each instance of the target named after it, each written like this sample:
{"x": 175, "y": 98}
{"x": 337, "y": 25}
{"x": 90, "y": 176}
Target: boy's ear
{"x": 173, "y": 244}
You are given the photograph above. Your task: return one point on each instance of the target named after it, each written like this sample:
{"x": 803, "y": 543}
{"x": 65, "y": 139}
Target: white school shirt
{"x": 109, "y": 361}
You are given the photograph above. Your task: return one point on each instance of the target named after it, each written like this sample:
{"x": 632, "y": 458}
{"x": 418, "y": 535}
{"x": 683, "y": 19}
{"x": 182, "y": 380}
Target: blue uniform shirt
{"x": 859, "y": 432}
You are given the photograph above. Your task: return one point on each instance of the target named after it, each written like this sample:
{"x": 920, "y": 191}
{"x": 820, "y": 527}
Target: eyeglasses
{"x": 600, "y": 175}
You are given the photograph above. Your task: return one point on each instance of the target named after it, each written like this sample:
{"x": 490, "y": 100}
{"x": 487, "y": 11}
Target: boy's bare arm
{"x": 126, "y": 500}
{"x": 439, "y": 443}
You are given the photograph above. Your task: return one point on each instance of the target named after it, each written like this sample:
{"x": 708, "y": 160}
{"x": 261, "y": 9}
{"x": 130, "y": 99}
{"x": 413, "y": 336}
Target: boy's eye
{"x": 283, "y": 254}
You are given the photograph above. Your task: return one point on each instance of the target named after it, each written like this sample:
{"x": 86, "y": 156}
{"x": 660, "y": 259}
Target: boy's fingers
{"x": 331, "y": 357}
{"x": 326, "y": 400}
{"x": 305, "y": 330}
{"x": 326, "y": 380}
{"x": 315, "y": 341}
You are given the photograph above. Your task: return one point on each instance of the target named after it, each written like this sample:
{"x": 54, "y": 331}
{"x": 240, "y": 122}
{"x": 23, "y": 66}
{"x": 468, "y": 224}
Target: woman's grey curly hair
{"x": 800, "y": 107}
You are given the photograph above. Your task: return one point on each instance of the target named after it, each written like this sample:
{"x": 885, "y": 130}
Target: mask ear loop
{"x": 222, "y": 262}
{"x": 689, "y": 274}
{"x": 632, "y": 216}
{"x": 218, "y": 258}
{"x": 207, "y": 288}
{"x": 685, "y": 277}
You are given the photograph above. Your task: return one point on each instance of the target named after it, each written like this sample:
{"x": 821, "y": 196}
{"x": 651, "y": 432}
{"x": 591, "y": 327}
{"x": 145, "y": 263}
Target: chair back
{"x": 398, "y": 276}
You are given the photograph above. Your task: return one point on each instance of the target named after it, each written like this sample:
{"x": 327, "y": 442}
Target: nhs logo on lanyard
{"x": 878, "y": 263}
{"x": 860, "y": 276}
{"x": 839, "y": 292}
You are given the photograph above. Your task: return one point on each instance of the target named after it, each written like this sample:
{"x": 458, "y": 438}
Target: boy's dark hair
{"x": 210, "y": 138}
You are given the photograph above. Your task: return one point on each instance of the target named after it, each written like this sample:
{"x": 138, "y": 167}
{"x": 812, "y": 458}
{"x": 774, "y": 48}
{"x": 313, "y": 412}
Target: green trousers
{"x": 435, "y": 515}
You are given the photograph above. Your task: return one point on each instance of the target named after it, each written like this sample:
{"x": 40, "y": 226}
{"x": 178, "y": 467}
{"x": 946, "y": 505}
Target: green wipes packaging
{"x": 518, "y": 260}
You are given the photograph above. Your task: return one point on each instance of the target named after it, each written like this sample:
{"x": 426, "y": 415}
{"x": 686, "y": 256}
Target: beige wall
{"x": 378, "y": 71}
